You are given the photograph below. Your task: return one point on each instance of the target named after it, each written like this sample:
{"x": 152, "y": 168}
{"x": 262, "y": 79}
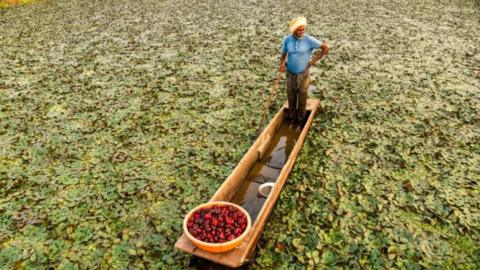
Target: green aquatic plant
{"x": 118, "y": 117}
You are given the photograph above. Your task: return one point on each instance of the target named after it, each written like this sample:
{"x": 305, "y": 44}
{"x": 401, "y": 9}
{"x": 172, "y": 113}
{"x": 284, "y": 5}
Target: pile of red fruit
{"x": 217, "y": 224}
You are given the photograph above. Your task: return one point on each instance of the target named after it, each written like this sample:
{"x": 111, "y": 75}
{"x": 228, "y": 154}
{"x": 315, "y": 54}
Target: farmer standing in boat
{"x": 295, "y": 60}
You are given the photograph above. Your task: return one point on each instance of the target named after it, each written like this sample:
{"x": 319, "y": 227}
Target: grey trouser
{"x": 297, "y": 91}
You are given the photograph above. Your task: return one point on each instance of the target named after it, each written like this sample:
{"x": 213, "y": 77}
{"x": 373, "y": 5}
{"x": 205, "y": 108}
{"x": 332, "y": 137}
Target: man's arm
{"x": 282, "y": 62}
{"x": 324, "y": 50}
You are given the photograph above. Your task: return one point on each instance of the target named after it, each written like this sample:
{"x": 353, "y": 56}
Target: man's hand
{"x": 282, "y": 62}
{"x": 324, "y": 50}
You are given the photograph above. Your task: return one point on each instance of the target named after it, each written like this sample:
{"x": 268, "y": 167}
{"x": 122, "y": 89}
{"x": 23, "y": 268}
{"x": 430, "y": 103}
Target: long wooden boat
{"x": 242, "y": 254}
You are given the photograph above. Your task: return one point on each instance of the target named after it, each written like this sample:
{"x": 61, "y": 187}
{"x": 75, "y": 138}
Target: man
{"x": 296, "y": 53}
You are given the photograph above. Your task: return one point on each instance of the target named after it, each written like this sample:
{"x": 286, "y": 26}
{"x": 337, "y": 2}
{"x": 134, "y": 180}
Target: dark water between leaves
{"x": 265, "y": 170}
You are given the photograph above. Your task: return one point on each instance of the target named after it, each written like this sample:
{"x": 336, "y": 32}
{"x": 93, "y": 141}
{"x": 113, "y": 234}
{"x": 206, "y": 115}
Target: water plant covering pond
{"x": 117, "y": 117}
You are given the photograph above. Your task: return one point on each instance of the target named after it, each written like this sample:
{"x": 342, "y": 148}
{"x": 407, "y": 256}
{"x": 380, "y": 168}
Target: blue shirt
{"x": 299, "y": 52}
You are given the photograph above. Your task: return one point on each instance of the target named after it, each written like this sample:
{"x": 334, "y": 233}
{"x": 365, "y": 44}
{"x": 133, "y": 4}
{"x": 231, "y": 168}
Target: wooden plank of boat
{"x": 242, "y": 254}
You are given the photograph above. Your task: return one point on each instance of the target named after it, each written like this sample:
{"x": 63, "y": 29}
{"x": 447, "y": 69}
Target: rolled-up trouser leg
{"x": 303, "y": 81}
{"x": 292, "y": 95}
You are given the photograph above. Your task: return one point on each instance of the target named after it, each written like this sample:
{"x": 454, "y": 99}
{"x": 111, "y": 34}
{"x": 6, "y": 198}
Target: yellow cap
{"x": 297, "y": 22}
